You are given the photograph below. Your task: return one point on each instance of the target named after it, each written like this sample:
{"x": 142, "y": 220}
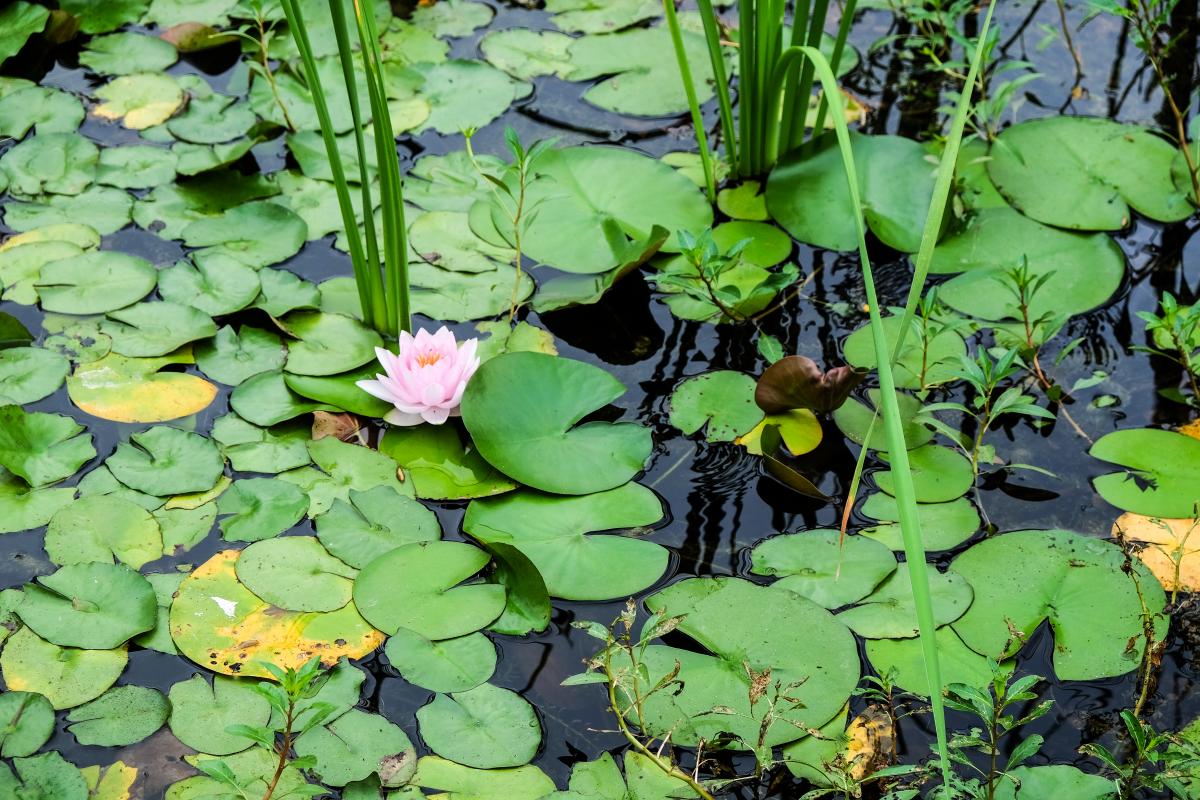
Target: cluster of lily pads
{"x": 310, "y": 546}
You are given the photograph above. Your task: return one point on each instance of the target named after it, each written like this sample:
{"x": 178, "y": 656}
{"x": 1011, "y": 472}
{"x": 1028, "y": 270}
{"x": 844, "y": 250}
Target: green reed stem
{"x": 689, "y": 88}
{"x": 835, "y": 60}
{"x": 712, "y": 37}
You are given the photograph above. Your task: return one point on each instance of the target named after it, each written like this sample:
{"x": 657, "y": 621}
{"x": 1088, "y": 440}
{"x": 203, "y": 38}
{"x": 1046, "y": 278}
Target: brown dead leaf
{"x": 1170, "y": 548}
{"x": 343, "y": 426}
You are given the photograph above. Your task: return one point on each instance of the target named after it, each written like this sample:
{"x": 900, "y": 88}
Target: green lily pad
{"x": 440, "y": 465}
{"x": 593, "y": 200}
{"x": 253, "y": 770}
{"x": 370, "y": 523}
{"x": 939, "y": 474}
{"x": 799, "y": 641}
{"x": 486, "y": 727}
{"x": 105, "y": 17}
{"x": 343, "y": 468}
{"x": 1075, "y": 582}
{"x": 555, "y": 534}
{"x": 168, "y": 13}
{"x": 959, "y": 663}
{"x": 1086, "y": 174}
{"x": 95, "y": 282}
{"x": 462, "y": 296}
{"x": 450, "y": 182}
{"x": 23, "y": 508}
{"x": 104, "y": 528}
{"x": 415, "y": 586}
{"x": 599, "y": 16}
{"x": 943, "y": 525}
{"x": 823, "y": 567}
{"x": 18, "y": 22}
{"x": 250, "y": 448}
{"x": 527, "y": 54}
{"x": 169, "y": 209}
{"x": 486, "y": 784}
{"x": 296, "y": 573}
{"x": 890, "y": 612}
{"x": 21, "y": 265}
{"x": 58, "y": 163}
{"x": 1159, "y": 475}
{"x": 165, "y": 585}
{"x": 1054, "y": 780}
{"x": 452, "y": 17}
{"x": 95, "y": 606}
{"x": 341, "y": 391}
{"x": 140, "y": 100}
{"x": 241, "y": 632}
{"x": 327, "y": 344}
{"x": 213, "y": 119}
{"x": 853, "y": 418}
{"x": 135, "y": 167}
{"x": 44, "y": 109}
{"x": 921, "y": 364}
{"x": 28, "y": 374}
{"x": 121, "y": 716}
{"x": 355, "y": 745}
{"x": 215, "y": 284}
{"x": 134, "y": 390}
{"x": 260, "y": 508}
{"x": 234, "y": 357}
{"x": 257, "y": 233}
{"x": 283, "y": 292}
{"x": 465, "y": 94}
{"x": 166, "y": 461}
{"x": 200, "y": 713}
{"x": 722, "y": 400}
{"x": 809, "y": 198}
{"x": 451, "y": 665}
{"x": 526, "y": 600}
{"x": 27, "y": 721}
{"x": 445, "y": 240}
{"x": 103, "y": 208}
{"x": 66, "y": 676}
{"x": 126, "y": 53}
{"x": 46, "y": 776}
{"x": 1084, "y": 270}
{"x": 42, "y": 448}
{"x": 521, "y": 410}
{"x": 156, "y": 328}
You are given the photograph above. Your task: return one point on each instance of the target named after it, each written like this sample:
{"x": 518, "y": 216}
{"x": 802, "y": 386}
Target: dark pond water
{"x": 719, "y": 501}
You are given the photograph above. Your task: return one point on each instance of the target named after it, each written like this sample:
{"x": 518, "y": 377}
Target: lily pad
{"x": 22, "y": 508}
{"x": 44, "y": 109}
{"x": 939, "y": 474}
{"x": 121, "y": 716}
{"x": 486, "y": 727}
{"x": 943, "y": 525}
{"x": 354, "y": 746}
{"x": 18, "y": 22}
{"x": 28, "y": 374}
{"x": 106, "y": 17}
{"x": 527, "y": 54}
{"x": 820, "y": 565}
{"x": 373, "y": 522}
{"x": 20, "y": 267}
{"x": 260, "y": 508}
{"x": 95, "y": 282}
{"x": 343, "y": 468}
{"x": 555, "y": 534}
{"x": 141, "y": 100}
{"x": 930, "y": 358}
{"x": 156, "y": 328}
{"x": 95, "y": 606}
{"x": 47, "y": 775}
{"x": 722, "y": 400}
{"x": 296, "y": 573}
{"x": 59, "y": 163}
{"x": 1075, "y": 582}
{"x": 807, "y": 194}
{"x": 257, "y": 233}
{"x": 799, "y": 641}
{"x": 135, "y": 167}
{"x": 462, "y": 296}
{"x": 522, "y": 408}
{"x": 66, "y": 676}
{"x": 1159, "y": 475}
{"x": 600, "y": 16}
{"x": 223, "y": 626}
{"x": 415, "y": 586}
{"x": 250, "y": 448}
{"x": 103, "y": 208}
{"x": 444, "y": 775}
{"x": 283, "y": 292}
{"x": 126, "y": 53}
{"x": 214, "y": 284}
{"x": 103, "y": 528}
{"x": 1086, "y": 174}
{"x": 42, "y": 448}
{"x": 465, "y": 94}
{"x": 200, "y": 713}
{"x": 1054, "y": 780}
{"x": 854, "y": 420}
{"x": 440, "y": 465}
{"x": 327, "y": 344}
{"x": 959, "y": 663}
{"x": 28, "y": 721}
{"x": 134, "y": 390}
{"x": 165, "y": 461}
{"x": 890, "y": 612}
{"x": 451, "y": 665}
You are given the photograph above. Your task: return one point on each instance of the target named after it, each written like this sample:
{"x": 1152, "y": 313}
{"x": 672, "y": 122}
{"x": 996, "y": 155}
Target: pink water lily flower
{"x": 425, "y": 382}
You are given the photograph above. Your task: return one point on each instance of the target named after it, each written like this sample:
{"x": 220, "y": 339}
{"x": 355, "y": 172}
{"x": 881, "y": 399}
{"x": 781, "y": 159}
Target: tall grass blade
{"x": 689, "y": 88}
{"x": 712, "y": 37}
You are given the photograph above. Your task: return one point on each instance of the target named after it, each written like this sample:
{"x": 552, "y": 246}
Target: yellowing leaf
{"x": 197, "y": 499}
{"x": 80, "y": 235}
{"x": 1171, "y": 548}
{"x": 800, "y": 429}
{"x": 871, "y": 741}
{"x": 223, "y": 626}
{"x": 133, "y": 390}
{"x": 1191, "y": 429}
{"x": 114, "y": 782}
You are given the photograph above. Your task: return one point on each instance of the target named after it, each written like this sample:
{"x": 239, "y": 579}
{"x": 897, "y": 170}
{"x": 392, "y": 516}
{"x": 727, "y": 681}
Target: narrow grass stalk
{"x": 712, "y": 37}
{"x": 910, "y": 524}
{"x": 835, "y": 60}
{"x": 689, "y": 88}
{"x": 382, "y": 288}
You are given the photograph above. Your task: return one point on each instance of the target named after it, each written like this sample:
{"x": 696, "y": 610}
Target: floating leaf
{"x": 66, "y": 676}
{"x": 250, "y": 448}
{"x": 257, "y": 234}
{"x": 165, "y": 585}
{"x": 216, "y": 284}
{"x": 415, "y": 586}
{"x": 156, "y": 328}
{"x": 141, "y": 100}
{"x": 1074, "y": 581}
{"x": 326, "y": 344}
{"x": 126, "y": 53}
{"x": 22, "y": 508}
{"x": 26, "y": 722}
{"x": 944, "y": 525}
{"x": 164, "y": 461}
{"x": 522, "y": 408}
{"x": 200, "y": 713}
{"x": 296, "y": 573}
{"x": 439, "y": 464}
{"x": 526, "y": 600}
{"x": 959, "y": 663}
{"x": 344, "y": 467}
{"x": 105, "y": 209}
{"x": 48, "y": 776}
{"x": 555, "y": 534}
{"x": 260, "y": 508}
{"x": 799, "y": 430}
{"x": 486, "y": 784}
{"x": 722, "y": 400}
{"x": 1159, "y": 475}
{"x": 354, "y": 746}
{"x": 114, "y": 782}
{"x": 1053, "y": 780}
{"x": 451, "y": 665}
{"x": 28, "y": 374}
{"x": 465, "y": 94}
{"x": 59, "y": 163}
{"x": 486, "y": 727}
{"x": 890, "y": 612}
{"x": 42, "y": 448}
{"x": 1170, "y": 548}
{"x": 134, "y": 390}
{"x": 18, "y": 22}
{"x": 253, "y": 770}
{"x": 105, "y": 17}
{"x": 236, "y": 635}
{"x": 854, "y": 419}
{"x": 135, "y": 167}
{"x": 373, "y": 522}
{"x": 927, "y": 360}
{"x": 95, "y": 282}
{"x": 121, "y": 716}
{"x": 96, "y": 606}
{"x": 45, "y": 109}
{"x": 822, "y": 566}
{"x": 233, "y": 357}
{"x": 527, "y": 54}
{"x": 600, "y": 16}
{"x": 103, "y": 528}
{"x": 939, "y": 474}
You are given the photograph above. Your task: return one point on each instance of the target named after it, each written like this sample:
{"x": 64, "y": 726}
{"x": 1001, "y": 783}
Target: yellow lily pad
{"x": 223, "y": 626}
{"x": 125, "y": 389}
{"x": 114, "y": 782}
{"x": 1171, "y": 548}
{"x": 799, "y": 428}
{"x": 140, "y": 101}
{"x": 197, "y": 499}
{"x": 82, "y": 236}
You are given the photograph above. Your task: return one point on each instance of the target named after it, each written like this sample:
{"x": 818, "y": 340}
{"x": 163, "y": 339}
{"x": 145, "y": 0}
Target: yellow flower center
{"x": 426, "y": 359}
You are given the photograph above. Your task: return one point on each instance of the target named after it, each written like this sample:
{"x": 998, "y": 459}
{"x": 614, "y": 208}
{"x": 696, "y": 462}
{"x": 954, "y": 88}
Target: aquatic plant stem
{"x": 689, "y": 89}
{"x": 716, "y": 55}
{"x": 283, "y": 748}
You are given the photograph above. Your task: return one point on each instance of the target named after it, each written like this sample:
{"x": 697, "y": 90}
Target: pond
{"x": 229, "y": 571}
